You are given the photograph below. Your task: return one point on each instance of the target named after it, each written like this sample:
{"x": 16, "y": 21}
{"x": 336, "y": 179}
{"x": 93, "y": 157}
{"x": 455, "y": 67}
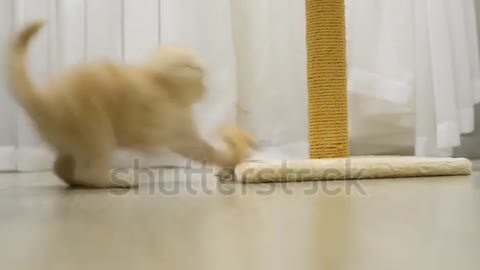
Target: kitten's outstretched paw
{"x": 239, "y": 143}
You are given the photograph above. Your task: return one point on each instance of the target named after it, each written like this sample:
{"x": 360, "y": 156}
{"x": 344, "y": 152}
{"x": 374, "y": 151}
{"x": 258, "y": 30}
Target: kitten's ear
{"x": 187, "y": 82}
{"x": 184, "y": 83}
{"x": 182, "y": 70}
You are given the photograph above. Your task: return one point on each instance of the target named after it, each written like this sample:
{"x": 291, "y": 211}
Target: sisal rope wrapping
{"x": 327, "y": 80}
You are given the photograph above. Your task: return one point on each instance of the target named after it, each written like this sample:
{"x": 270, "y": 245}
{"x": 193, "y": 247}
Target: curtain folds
{"x": 414, "y": 72}
{"x": 254, "y": 50}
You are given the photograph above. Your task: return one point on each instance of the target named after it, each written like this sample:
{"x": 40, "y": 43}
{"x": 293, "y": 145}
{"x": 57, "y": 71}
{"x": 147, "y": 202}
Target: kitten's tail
{"x": 24, "y": 89}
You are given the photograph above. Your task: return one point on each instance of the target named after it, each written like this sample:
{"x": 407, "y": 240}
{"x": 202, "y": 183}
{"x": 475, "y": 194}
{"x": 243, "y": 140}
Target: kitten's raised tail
{"x": 24, "y": 89}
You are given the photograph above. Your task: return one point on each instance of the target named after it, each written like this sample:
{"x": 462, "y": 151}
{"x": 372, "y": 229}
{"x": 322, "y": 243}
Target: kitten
{"x": 92, "y": 109}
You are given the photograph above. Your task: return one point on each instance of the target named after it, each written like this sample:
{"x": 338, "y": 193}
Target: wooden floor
{"x": 182, "y": 223}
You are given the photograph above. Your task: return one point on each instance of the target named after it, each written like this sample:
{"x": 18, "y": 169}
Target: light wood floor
{"x": 385, "y": 224}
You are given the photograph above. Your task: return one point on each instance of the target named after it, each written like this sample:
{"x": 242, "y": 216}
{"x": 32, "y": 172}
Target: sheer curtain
{"x": 255, "y": 52}
{"x": 414, "y": 74}
{"x": 414, "y": 71}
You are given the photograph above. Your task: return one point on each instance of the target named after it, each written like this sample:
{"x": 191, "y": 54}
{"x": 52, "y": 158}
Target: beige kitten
{"x": 94, "y": 108}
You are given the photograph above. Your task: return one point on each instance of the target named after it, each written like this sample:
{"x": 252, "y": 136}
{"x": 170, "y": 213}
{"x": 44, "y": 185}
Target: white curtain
{"x": 255, "y": 51}
{"x": 414, "y": 74}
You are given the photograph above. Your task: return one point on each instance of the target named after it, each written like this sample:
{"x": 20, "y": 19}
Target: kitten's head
{"x": 182, "y": 70}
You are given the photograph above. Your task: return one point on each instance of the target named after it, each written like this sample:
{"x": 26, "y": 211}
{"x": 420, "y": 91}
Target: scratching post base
{"x": 347, "y": 169}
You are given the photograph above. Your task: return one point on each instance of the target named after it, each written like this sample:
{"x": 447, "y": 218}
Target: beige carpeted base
{"x": 347, "y": 169}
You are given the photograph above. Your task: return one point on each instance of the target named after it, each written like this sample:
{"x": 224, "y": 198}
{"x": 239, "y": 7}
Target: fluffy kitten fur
{"x": 92, "y": 109}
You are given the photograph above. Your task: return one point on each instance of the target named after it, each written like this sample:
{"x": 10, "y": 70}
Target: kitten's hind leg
{"x": 64, "y": 168}
{"x": 93, "y": 170}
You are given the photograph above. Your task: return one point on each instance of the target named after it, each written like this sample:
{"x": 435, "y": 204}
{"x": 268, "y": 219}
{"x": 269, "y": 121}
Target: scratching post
{"x": 327, "y": 82}
{"x": 328, "y": 119}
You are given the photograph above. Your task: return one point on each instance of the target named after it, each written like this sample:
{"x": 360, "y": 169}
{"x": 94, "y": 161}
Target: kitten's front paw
{"x": 239, "y": 143}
